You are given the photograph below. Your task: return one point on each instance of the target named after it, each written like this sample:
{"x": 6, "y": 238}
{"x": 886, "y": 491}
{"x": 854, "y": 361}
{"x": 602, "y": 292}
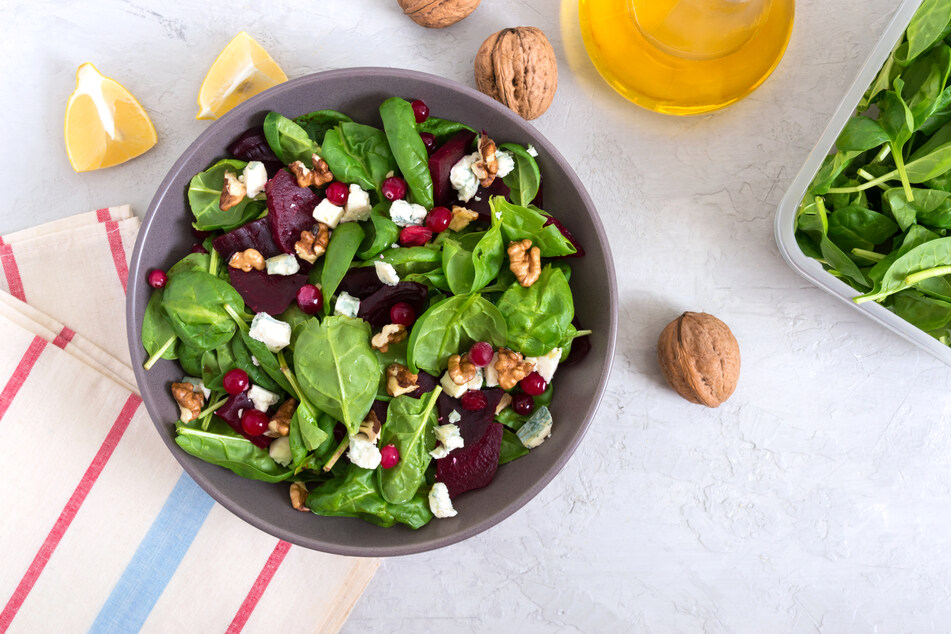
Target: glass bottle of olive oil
{"x": 685, "y": 56}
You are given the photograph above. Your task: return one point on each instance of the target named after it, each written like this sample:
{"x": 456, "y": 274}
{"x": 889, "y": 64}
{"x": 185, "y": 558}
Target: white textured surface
{"x": 817, "y": 499}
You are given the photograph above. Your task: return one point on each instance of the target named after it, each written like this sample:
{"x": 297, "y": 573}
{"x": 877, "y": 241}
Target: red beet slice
{"x": 264, "y": 293}
{"x": 361, "y": 282}
{"x": 379, "y": 408}
{"x": 229, "y": 413}
{"x": 254, "y": 235}
{"x": 480, "y": 202}
{"x": 441, "y": 162}
{"x": 290, "y": 209}
{"x": 472, "y": 424}
{"x": 473, "y": 466}
{"x": 252, "y": 146}
{"x": 376, "y": 308}
{"x": 564, "y": 231}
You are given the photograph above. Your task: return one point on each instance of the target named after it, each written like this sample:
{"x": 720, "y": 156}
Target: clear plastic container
{"x": 786, "y": 214}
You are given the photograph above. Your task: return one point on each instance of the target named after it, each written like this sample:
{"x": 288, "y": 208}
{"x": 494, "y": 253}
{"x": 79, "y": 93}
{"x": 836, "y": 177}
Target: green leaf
{"x": 243, "y": 360}
{"x": 927, "y": 26}
{"x": 929, "y": 255}
{"x": 861, "y": 134}
{"x": 316, "y": 124}
{"x": 356, "y": 493}
{"x": 538, "y": 317}
{"x": 931, "y": 207}
{"x": 442, "y": 129}
{"x": 267, "y": 360}
{"x": 410, "y": 424}
{"x": 311, "y": 433}
{"x": 381, "y": 233}
{"x": 358, "y": 153}
{"x": 231, "y": 452}
{"x": 157, "y": 332}
{"x": 289, "y": 141}
{"x": 204, "y": 198}
{"x": 449, "y": 326}
{"x": 407, "y": 260}
{"x": 855, "y": 227}
{"x": 344, "y": 243}
{"x": 924, "y": 312}
{"x": 520, "y": 223}
{"x": 408, "y": 148}
{"x": 474, "y": 260}
{"x": 194, "y": 302}
{"x": 512, "y": 447}
{"x": 525, "y": 179}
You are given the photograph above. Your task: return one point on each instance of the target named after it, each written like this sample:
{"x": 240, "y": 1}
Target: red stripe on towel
{"x": 117, "y": 249}
{"x": 103, "y": 215}
{"x": 69, "y": 511}
{"x": 64, "y": 337}
{"x": 11, "y": 271}
{"x": 20, "y": 373}
{"x": 260, "y": 585}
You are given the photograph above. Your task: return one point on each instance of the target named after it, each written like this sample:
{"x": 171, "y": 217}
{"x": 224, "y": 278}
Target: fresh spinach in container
{"x": 374, "y": 316}
{"x": 877, "y": 213}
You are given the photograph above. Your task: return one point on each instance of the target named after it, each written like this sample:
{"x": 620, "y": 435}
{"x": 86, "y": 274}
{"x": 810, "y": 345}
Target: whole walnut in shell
{"x": 700, "y": 358}
{"x": 517, "y": 67}
{"x": 436, "y": 14}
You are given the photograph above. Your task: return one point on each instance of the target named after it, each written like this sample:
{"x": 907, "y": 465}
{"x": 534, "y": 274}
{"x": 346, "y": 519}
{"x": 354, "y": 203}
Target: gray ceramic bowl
{"x": 165, "y": 237}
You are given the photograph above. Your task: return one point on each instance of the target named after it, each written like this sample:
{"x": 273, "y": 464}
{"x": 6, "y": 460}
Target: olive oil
{"x": 685, "y": 56}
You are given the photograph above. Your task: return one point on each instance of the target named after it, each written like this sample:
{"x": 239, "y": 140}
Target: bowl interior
{"x": 166, "y": 237}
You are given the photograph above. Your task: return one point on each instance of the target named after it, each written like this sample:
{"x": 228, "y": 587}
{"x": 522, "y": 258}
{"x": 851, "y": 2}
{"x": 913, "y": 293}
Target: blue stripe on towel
{"x": 156, "y": 559}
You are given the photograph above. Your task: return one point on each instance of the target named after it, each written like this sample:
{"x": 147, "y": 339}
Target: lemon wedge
{"x": 105, "y": 125}
{"x": 242, "y": 70}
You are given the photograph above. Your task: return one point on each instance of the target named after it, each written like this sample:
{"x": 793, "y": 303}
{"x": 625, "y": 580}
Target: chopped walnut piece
{"x": 232, "y": 192}
{"x": 503, "y": 403}
{"x": 391, "y": 333}
{"x": 280, "y": 423}
{"x": 302, "y": 174}
{"x": 461, "y": 369}
{"x": 525, "y": 261}
{"x": 189, "y": 399}
{"x": 322, "y": 173}
{"x": 370, "y": 428}
{"x": 299, "y": 496}
{"x": 461, "y": 217}
{"x": 487, "y": 166}
{"x": 512, "y": 368}
{"x": 399, "y": 380}
{"x": 247, "y": 260}
{"x": 310, "y": 246}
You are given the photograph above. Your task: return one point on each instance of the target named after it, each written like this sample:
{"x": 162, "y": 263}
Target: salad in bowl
{"x": 373, "y": 318}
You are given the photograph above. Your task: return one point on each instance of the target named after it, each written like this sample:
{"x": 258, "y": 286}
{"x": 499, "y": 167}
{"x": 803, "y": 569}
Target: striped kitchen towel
{"x": 102, "y": 531}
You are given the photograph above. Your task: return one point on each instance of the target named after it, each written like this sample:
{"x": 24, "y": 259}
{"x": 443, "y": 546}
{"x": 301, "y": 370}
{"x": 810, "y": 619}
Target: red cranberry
{"x": 394, "y": 188}
{"x": 421, "y": 110}
{"x": 429, "y": 140}
{"x": 337, "y": 193}
{"x": 438, "y": 219}
{"x": 533, "y": 384}
{"x": 481, "y": 353}
{"x": 235, "y": 381}
{"x": 201, "y": 235}
{"x": 403, "y": 314}
{"x": 523, "y": 404}
{"x": 197, "y": 248}
{"x": 254, "y": 422}
{"x": 474, "y": 400}
{"x": 390, "y": 455}
{"x": 310, "y": 299}
{"x": 157, "y": 278}
{"x": 415, "y": 236}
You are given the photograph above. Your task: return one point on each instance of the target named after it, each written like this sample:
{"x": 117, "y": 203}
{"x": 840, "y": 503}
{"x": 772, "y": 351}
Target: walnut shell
{"x": 700, "y": 358}
{"x": 436, "y": 14}
{"x": 517, "y": 67}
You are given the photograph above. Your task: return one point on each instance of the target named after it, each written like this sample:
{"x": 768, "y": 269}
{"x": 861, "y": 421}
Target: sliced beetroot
{"x": 426, "y": 382}
{"x": 361, "y": 282}
{"x": 472, "y": 424}
{"x": 264, "y": 293}
{"x": 441, "y": 162}
{"x": 564, "y": 231}
{"x": 375, "y": 309}
{"x": 480, "y": 202}
{"x": 290, "y": 209}
{"x": 254, "y": 235}
{"x": 230, "y": 413}
{"x": 379, "y": 408}
{"x": 252, "y": 146}
{"x": 472, "y": 466}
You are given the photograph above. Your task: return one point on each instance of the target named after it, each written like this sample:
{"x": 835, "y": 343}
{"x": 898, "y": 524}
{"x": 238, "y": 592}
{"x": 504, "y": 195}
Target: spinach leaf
{"x": 409, "y": 426}
{"x": 381, "y": 233}
{"x": 358, "y": 153}
{"x": 931, "y": 207}
{"x": 525, "y": 179}
{"x": 474, "y": 260}
{"x": 435, "y": 279}
{"x": 204, "y": 198}
{"x": 189, "y": 358}
{"x": 357, "y": 494}
{"x": 267, "y": 360}
{"x": 923, "y": 258}
{"x": 195, "y": 304}
{"x": 158, "y": 336}
{"x": 191, "y": 262}
{"x": 243, "y": 359}
{"x": 519, "y": 223}
{"x": 316, "y": 124}
{"x": 442, "y": 129}
{"x": 449, "y": 326}
{"x": 399, "y": 123}
{"x": 927, "y": 26}
{"x": 538, "y": 317}
{"x": 337, "y": 369}
{"x": 924, "y": 312}
{"x": 289, "y": 141}
{"x": 861, "y": 134}
{"x": 512, "y": 447}
{"x": 311, "y": 433}
{"x": 855, "y": 227}
{"x": 514, "y": 421}
{"x": 408, "y": 260}
{"x": 231, "y": 452}
{"x": 343, "y": 246}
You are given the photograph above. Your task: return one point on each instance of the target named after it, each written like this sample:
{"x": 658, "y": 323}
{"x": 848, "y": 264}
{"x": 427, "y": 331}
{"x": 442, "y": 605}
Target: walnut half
{"x": 299, "y": 496}
{"x": 247, "y": 260}
{"x": 311, "y": 246}
{"x": 391, "y": 333}
{"x": 399, "y": 380}
{"x": 233, "y": 191}
{"x": 487, "y": 166}
{"x": 280, "y": 423}
{"x": 512, "y": 368}
{"x": 461, "y": 369}
{"x": 190, "y": 400}
{"x": 461, "y": 217}
{"x": 525, "y": 261}
{"x": 320, "y": 175}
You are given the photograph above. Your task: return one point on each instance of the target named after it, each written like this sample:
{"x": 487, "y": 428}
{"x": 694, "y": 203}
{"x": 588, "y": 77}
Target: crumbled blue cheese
{"x": 449, "y": 437}
{"x": 358, "y": 205}
{"x": 404, "y": 214}
{"x": 328, "y": 213}
{"x": 262, "y": 399}
{"x": 454, "y": 417}
{"x": 273, "y": 333}
{"x": 280, "y": 451}
{"x": 363, "y": 452}
{"x": 536, "y": 429}
{"x": 347, "y": 305}
{"x": 386, "y": 273}
{"x": 491, "y": 374}
{"x": 254, "y": 178}
{"x": 439, "y": 502}
{"x": 546, "y": 364}
{"x": 284, "y": 264}
{"x": 506, "y": 163}
{"x": 199, "y": 385}
{"x": 462, "y": 179}
{"x": 455, "y": 391}
{"x": 532, "y": 151}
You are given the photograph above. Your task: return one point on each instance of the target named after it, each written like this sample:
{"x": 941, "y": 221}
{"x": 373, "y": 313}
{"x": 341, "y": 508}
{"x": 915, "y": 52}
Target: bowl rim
{"x": 314, "y": 542}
